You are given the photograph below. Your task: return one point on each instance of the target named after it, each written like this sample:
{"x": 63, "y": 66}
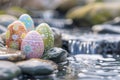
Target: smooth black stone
{"x": 56, "y": 54}
{"x": 8, "y": 70}
{"x": 36, "y": 67}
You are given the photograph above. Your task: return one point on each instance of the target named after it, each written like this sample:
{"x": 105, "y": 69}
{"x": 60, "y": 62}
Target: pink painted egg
{"x": 32, "y": 45}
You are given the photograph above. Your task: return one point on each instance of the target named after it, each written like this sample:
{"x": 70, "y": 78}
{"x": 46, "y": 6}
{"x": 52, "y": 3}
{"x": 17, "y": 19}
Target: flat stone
{"x": 11, "y": 54}
{"x": 37, "y": 67}
{"x": 8, "y": 70}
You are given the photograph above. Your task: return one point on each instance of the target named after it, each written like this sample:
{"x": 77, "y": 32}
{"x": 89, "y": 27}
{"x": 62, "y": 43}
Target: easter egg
{"x": 32, "y": 45}
{"x": 27, "y": 21}
{"x": 14, "y": 35}
{"x": 47, "y": 35}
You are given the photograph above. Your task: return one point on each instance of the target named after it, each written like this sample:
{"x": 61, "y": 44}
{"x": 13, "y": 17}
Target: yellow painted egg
{"x": 47, "y": 35}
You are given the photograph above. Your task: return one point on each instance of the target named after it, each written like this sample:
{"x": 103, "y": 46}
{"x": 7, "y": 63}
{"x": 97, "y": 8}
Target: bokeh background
{"x": 82, "y": 12}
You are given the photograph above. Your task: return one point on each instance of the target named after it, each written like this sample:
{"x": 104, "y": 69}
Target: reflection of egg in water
{"x": 14, "y": 34}
{"x": 28, "y": 22}
{"x": 47, "y": 35}
{"x": 32, "y": 45}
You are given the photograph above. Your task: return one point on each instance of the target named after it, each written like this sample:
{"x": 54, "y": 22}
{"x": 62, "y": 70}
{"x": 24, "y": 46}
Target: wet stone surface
{"x": 8, "y": 70}
{"x": 57, "y": 55}
{"x": 94, "y": 67}
{"x": 81, "y": 67}
{"x": 36, "y": 67}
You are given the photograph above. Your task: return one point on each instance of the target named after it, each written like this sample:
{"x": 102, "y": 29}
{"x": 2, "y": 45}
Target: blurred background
{"x": 82, "y": 12}
{"x": 61, "y": 13}
{"x": 69, "y": 19}
{"x": 87, "y": 27}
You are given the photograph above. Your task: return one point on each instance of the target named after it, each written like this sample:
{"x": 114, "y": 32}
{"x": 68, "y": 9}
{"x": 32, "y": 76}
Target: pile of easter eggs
{"x": 33, "y": 42}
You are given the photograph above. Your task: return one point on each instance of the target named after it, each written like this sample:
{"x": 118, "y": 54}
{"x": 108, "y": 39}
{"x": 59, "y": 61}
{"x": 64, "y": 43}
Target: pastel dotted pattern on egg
{"x": 13, "y": 34}
{"x": 47, "y": 34}
{"x": 27, "y": 21}
{"x": 32, "y": 45}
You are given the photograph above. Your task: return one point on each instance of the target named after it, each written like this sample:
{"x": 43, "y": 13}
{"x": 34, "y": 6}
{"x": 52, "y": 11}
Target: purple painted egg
{"x": 32, "y": 45}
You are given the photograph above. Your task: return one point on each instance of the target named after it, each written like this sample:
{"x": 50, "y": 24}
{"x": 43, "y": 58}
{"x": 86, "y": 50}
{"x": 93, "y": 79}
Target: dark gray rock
{"x": 36, "y": 67}
{"x": 8, "y": 70}
{"x": 58, "y": 37}
{"x": 56, "y": 54}
{"x": 2, "y": 29}
{"x": 3, "y": 38}
{"x": 11, "y": 54}
{"x": 2, "y": 43}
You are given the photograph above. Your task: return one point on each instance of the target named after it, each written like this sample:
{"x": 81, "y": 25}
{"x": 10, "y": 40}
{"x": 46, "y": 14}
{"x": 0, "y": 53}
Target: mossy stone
{"x": 94, "y": 13}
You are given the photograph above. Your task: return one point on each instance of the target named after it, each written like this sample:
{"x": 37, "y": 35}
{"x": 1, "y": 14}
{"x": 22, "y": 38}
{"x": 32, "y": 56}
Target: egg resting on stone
{"x": 27, "y": 21}
{"x": 32, "y": 45}
{"x": 14, "y": 35}
{"x": 47, "y": 35}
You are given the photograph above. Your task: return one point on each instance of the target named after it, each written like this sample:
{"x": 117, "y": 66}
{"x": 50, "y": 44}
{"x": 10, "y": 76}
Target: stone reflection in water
{"x": 93, "y": 67}
{"x": 78, "y": 65}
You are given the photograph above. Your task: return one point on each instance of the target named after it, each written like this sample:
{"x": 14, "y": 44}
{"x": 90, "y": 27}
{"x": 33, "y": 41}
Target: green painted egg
{"x": 47, "y": 35}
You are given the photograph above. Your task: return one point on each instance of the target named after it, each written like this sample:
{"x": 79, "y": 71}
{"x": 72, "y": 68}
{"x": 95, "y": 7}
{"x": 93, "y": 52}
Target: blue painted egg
{"x": 27, "y": 21}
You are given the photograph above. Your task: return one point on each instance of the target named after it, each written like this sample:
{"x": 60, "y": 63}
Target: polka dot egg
{"x": 14, "y": 35}
{"x": 27, "y": 21}
{"x": 47, "y": 35}
{"x": 32, "y": 45}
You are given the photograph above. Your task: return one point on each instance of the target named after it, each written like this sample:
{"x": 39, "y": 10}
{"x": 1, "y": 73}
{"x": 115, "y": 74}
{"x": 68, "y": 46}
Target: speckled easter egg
{"x": 27, "y": 21}
{"x": 47, "y": 35}
{"x": 32, "y": 45}
{"x": 14, "y": 35}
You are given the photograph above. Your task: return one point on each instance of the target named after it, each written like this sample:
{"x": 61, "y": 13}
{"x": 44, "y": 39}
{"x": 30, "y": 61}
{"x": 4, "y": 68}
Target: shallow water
{"x": 87, "y": 67}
